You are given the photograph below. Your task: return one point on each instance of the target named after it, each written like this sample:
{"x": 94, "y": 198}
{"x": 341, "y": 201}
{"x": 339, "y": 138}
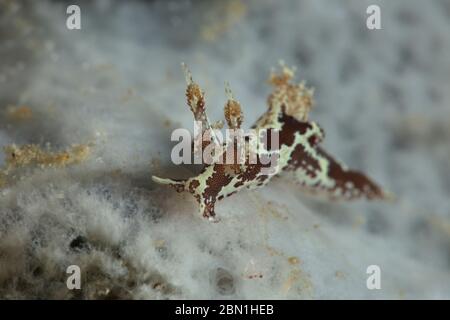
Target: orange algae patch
{"x": 19, "y": 113}
{"x": 19, "y": 156}
{"x": 33, "y": 155}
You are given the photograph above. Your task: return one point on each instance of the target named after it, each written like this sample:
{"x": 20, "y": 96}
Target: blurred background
{"x": 116, "y": 85}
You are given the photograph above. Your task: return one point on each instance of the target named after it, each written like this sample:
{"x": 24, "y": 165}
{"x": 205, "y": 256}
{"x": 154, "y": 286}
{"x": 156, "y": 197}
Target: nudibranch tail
{"x": 321, "y": 174}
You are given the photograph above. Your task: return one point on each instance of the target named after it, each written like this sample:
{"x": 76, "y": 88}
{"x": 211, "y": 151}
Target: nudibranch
{"x": 298, "y": 152}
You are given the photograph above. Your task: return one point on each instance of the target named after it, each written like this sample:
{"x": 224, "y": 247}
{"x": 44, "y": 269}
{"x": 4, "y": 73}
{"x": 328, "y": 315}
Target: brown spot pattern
{"x": 288, "y": 110}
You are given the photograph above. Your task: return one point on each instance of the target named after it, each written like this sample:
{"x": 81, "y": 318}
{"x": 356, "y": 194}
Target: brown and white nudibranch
{"x": 299, "y": 150}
